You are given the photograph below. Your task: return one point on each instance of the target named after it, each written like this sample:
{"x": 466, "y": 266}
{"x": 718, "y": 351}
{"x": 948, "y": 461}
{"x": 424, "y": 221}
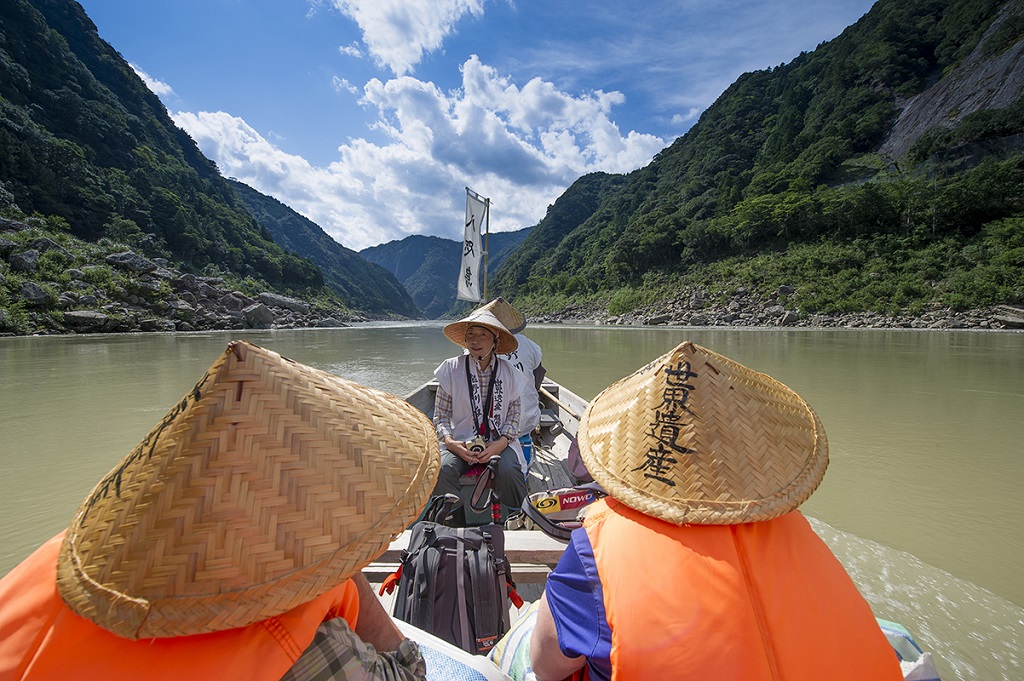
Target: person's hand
{"x": 492, "y": 449}
{"x": 460, "y": 450}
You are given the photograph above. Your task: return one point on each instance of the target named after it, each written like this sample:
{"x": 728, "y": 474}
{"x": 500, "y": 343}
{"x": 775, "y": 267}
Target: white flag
{"x": 472, "y": 250}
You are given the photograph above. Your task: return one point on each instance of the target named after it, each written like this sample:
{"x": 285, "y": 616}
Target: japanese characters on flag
{"x": 472, "y": 250}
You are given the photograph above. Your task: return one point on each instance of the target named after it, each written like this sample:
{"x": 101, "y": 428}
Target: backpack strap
{"x": 462, "y": 607}
{"x": 558, "y": 512}
{"x": 483, "y": 491}
{"x": 415, "y": 601}
{"x": 494, "y": 537}
{"x": 391, "y": 581}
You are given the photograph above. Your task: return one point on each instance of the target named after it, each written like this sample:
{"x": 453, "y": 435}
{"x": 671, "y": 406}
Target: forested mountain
{"x": 83, "y": 138}
{"x": 882, "y": 171}
{"x": 87, "y": 146}
{"x": 428, "y": 267}
{"x": 359, "y": 283}
{"x": 571, "y": 210}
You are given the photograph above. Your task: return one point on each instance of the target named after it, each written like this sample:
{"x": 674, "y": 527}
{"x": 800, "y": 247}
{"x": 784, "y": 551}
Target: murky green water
{"x": 923, "y": 500}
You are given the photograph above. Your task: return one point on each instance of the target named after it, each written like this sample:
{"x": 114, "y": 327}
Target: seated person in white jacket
{"x": 478, "y": 408}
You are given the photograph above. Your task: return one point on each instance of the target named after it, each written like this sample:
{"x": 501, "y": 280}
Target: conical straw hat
{"x": 696, "y": 438}
{"x": 511, "y": 318}
{"x": 456, "y": 331}
{"x": 267, "y": 485}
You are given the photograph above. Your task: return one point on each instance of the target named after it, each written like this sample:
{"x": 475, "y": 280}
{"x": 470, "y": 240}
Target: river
{"x": 923, "y": 500}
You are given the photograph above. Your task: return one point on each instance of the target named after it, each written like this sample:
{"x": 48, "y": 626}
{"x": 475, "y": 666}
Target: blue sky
{"x": 370, "y": 117}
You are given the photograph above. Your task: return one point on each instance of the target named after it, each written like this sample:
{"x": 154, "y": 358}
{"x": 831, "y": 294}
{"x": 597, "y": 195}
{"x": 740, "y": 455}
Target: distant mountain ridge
{"x": 359, "y": 283}
{"x": 428, "y": 266}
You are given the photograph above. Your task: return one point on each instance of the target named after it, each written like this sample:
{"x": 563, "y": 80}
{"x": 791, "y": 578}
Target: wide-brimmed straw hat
{"x": 696, "y": 438}
{"x": 511, "y": 318}
{"x": 265, "y": 486}
{"x": 456, "y": 331}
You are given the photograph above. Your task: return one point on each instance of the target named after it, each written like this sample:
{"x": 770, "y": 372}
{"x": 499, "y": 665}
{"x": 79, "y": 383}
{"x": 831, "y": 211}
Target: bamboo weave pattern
{"x": 264, "y": 487}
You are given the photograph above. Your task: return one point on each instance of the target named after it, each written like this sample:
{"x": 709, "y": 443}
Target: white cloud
{"x": 351, "y": 51}
{"x": 343, "y": 85}
{"x": 159, "y": 88}
{"x": 397, "y": 33}
{"x": 688, "y": 117}
{"x": 522, "y": 147}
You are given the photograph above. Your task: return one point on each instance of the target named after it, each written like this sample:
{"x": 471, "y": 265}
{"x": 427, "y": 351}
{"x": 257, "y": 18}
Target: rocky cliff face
{"x": 79, "y": 287}
{"x": 981, "y": 82}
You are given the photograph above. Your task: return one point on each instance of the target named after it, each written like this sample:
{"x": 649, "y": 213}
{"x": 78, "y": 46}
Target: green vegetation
{"x": 84, "y": 141}
{"x": 428, "y": 267}
{"x": 73, "y": 274}
{"x": 358, "y": 283}
{"x": 781, "y": 183}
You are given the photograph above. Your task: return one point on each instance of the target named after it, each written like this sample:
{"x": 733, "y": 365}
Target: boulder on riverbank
{"x": 123, "y": 291}
{"x": 695, "y": 309}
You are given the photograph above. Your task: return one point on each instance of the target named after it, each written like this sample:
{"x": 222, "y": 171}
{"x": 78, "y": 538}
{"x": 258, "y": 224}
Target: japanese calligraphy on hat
{"x": 696, "y": 438}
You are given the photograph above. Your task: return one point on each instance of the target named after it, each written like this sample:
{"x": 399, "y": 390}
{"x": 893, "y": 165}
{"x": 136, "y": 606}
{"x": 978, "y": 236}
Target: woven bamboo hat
{"x": 267, "y": 485}
{"x": 511, "y": 318}
{"x": 696, "y": 438}
{"x": 456, "y": 331}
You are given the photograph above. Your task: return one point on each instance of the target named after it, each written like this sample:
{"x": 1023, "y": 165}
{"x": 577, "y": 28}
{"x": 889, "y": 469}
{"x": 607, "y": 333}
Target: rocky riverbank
{"x": 50, "y": 289}
{"x": 744, "y": 309}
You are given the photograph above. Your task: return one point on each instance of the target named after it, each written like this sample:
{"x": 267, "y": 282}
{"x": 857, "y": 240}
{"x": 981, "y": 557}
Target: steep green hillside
{"x": 83, "y": 139}
{"x": 428, "y": 267}
{"x": 782, "y": 181}
{"x": 546, "y": 250}
{"x": 359, "y": 283}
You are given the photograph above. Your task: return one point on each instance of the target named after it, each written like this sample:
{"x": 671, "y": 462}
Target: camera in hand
{"x": 476, "y": 445}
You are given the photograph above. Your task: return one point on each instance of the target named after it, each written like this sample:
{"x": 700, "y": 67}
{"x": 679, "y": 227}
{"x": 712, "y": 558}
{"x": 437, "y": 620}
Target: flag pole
{"x": 487, "y": 237}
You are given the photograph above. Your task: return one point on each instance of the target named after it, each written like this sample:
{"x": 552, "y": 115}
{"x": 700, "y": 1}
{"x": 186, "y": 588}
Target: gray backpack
{"x": 454, "y": 582}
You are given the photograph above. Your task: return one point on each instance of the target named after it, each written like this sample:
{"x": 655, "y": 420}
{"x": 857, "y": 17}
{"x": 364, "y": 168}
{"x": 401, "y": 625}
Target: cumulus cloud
{"x": 519, "y": 146}
{"x": 397, "y": 33}
{"x": 159, "y": 88}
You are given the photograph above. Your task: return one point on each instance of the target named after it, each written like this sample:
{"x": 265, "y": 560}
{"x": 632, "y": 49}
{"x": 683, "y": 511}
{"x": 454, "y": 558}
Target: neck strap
{"x": 485, "y": 428}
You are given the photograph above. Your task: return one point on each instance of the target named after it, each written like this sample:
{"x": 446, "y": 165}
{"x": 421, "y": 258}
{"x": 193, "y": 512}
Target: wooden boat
{"x": 532, "y": 553}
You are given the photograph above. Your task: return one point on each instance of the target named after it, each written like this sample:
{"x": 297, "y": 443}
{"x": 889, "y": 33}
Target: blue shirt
{"x": 576, "y": 601}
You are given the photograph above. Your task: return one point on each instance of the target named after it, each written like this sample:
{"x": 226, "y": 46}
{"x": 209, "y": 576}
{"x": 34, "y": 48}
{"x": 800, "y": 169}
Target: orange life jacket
{"x": 41, "y": 638}
{"x": 752, "y": 602}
